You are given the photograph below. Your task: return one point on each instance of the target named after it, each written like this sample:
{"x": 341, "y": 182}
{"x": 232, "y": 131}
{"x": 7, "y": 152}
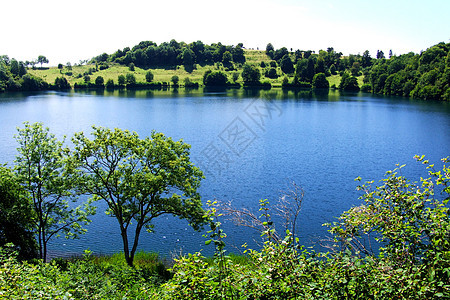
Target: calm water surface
{"x": 249, "y": 144}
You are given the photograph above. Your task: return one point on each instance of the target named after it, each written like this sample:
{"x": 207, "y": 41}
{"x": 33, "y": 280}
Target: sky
{"x": 70, "y": 31}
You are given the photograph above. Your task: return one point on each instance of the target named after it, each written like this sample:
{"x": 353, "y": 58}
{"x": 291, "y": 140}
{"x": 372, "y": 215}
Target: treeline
{"x": 148, "y": 54}
{"x": 424, "y": 76}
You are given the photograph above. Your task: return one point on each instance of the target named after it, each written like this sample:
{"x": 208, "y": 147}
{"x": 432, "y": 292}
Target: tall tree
{"x": 42, "y": 60}
{"x": 42, "y": 171}
{"x": 139, "y": 179}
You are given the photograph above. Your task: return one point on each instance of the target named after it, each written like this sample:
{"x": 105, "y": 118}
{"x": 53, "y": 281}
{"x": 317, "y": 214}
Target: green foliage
{"x": 133, "y": 175}
{"x": 175, "y": 79}
{"x": 149, "y": 76}
{"x": 349, "y": 83}
{"x": 41, "y": 170}
{"x": 320, "y": 81}
{"x": 61, "y": 83}
{"x": 130, "y": 79}
{"x": 286, "y": 64}
{"x": 250, "y": 75}
{"x": 215, "y": 78}
{"x": 121, "y": 79}
{"x": 16, "y": 215}
{"x": 99, "y": 80}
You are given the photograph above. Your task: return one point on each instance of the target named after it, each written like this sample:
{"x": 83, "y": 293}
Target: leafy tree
{"x": 41, "y": 170}
{"x": 349, "y": 83}
{"x": 320, "y": 81}
{"x": 139, "y": 179}
{"x": 99, "y": 80}
{"x": 250, "y": 75}
{"x": 380, "y": 54}
{"x": 109, "y": 84}
{"x": 42, "y": 60}
{"x": 149, "y": 76}
{"x": 188, "y": 60}
{"x": 32, "y": 83}
{"x": 130, "y": 79}
{"x": 286, "y": 65}
{"x": 14, "y": 67}
{"x": 131, "y": 67}
{"x": 175, "y": 79}
{"x": 61, "y": 83}
{"x": 270, "y": 50}
{"x": 60, "y": 66}
{"x": 226, "y": 59}
{"x": 238, "y": 54}
{"x": 271, "y": 73}
{"x": 87, "y": 78}
{"x": 216, "y": 78}
{"x": 16, "y": 215}
{"x": 366, "y": 60}
{"x": 121, "y": 79}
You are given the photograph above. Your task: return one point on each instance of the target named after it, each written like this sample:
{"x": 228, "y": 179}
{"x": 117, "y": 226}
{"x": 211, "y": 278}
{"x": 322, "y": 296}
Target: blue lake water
{"x": 249, "y": 144}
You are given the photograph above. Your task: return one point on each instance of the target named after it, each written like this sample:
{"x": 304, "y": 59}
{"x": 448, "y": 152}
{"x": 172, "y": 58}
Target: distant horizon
{"x": 65, "y": 31}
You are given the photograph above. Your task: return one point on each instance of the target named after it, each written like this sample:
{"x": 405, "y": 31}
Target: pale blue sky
{"x": 73, "y": 30}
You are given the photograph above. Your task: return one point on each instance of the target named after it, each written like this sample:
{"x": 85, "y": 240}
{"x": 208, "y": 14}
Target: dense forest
{"x": 423, "y": 76}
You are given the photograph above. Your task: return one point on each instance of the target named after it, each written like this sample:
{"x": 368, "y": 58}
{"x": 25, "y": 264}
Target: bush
{"x": 149, "y": 76}
{"x": 99, "y": 80}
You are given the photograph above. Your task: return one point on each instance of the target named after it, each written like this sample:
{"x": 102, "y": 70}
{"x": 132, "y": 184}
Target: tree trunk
{"x": 126, "y": 250}
{"x": 135, "y": 242}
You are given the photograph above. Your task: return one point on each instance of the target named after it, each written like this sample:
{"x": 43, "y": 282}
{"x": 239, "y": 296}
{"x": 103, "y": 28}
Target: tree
{"x": 320, "y": 81}
{"x": 270, "y": 50}
{"x": 149, "y": 76}
{"x": 130, "y": 79}
{"x": 16, "y": 215}
{"x": 188, "y": 60}
{"x": 226, "y": 59}
{"x": 121, "y": 80}
{"x": 99, "y": 80}
{"x": 42, "y": 171}
{"x": 366, "y": 60}
{"x": 380, "y": 54}
{"x": 61, "y": 83}
{"x": 14, "y": 67}
{"x": 286, "y": 65}
{"x": 250, "y": 75}
{"x": 349, "y": 83}
{"x": 139, "y": 179}
{"x": 42, "y": 60}
{"x": 216, "y": 78}
{"x": 175, "y": 79}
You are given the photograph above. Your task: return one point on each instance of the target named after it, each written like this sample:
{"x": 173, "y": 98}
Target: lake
{"x": 250, "y": 145}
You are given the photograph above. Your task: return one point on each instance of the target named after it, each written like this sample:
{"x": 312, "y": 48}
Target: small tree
{"x": 42, "y": 171}
{"x": 175, "y": 79}
{"x": 99, "y": 80}
{"x": 139, "y": 179}
{"x": 131, "y": 67}
{"x": 121, "y": 79}
{"x": 320, "y": 81}
{"x": 149, "y": 76}
{"x": 286, "y": 65}
{"x": 250, "y": 75}
{"x": 130, "y": 79}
